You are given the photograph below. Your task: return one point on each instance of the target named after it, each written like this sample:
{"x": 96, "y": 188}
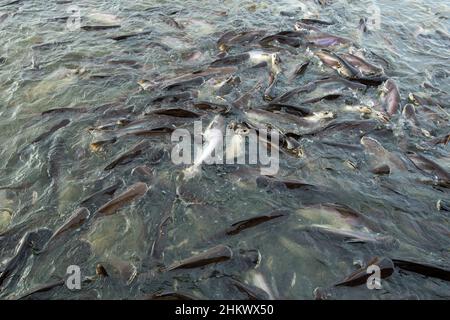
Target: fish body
{"x": 216, "y": 254}
{"x": 135, "y": 191}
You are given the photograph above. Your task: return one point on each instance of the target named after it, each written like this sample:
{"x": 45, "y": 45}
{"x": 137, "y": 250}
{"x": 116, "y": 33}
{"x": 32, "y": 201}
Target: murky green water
{"x": 47, "y": 63}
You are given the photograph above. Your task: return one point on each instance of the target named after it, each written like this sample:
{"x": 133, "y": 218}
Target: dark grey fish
{"x": 423, "y": 269}
{"x": 295, "y": 110}
{"x": 231, "y": 60}
{"x": 50, "y": 45}
{"x": 31, "y": 242}
{"x": 361, "y": 276}
{"x": 51, "y": 131}
{"x": 213, "y": 107}
{"x": 63, "y": 110}
{"x": 430, "y": 167}
{"x": 10, "y": 3}
{"x": 135, "y": 191}
{"x": 252, "y": 292}
{"x": 444, "y": 139}
{"x": 158, "y": 245}
{"x": 345, "y": 125}
{"x": 130, "y": 35}
{"x": 176, "y": 112}
{"x": 128, "y": 155}
{"x": 316, "y": 21}
{"x": 150, "y": 132}
{"x": 55, "y": 156}
{"x": 177, "y": 97}
{"x": 382, "y": 169}
{"x": 169, "y": 295}
{"x": 231, "y": 38}
{"x": 75, "y": 220}
{"x": 186, "y": 84}
{"x": 172, "y": 22}
{"x": 109, "y": 191}
{"x": 216, "y": 254}
{"x": 42, "y": 288}
{"x": 254, "y": 221}
{"x": 442, "y": 205}
{"x": 99, "y": 27}
{"x": 299, "y": 70}
{"x": 264, "y": 181}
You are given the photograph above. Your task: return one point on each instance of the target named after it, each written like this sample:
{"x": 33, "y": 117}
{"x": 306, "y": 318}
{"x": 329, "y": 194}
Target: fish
{"x": 176, "y": 97}
{"x": 342, "y": 125}
{"x": 54, "y": 157}
{"x": 214, "y": 255}
{"x": 42, "y": 288}
{"x": 63, "y": 110}
{"x": 252, "y": 292}
{"x": 361, "y": 276}
{"x": 175, "y": 112}
{"x": 299, "y": 111}
{"x": 109, "y": 191}
{"x": 100, "y": 270}
{"x": 135, "y": 191}
{"x": 430, "y": 167}
{"x": 213, "y": 107}
{"x": 366, "y": 68}
{"x": 169, "y": 295}
{"x": 159, "y": 243}
{"x": 128, "y": 155}
{"x": 30, "y": 242}
{"x": 232, "y": 38}
{"x": 316, "y": 21}
{"x": 391, "y": 97}
{"x": 99, "y": 27}
{"x": 231, "y": 60}
{"x": 444, "y": 139}
{"x": 75, "y": 220}
{"x": 264, "y": 181}
{"x": 237, "y": 227}
{"x": 299, "y": 70}
{"x": 98, "y": 146}
{"x": 347, "y": 70}
{"x": 51, "y": 131}
{"x": 381, "y": 169}
{"x": 260, "y": 282}
{"x": 172, "y": 22}
{"x": 423, "y": 269}
{"x": 443, "y": 205}
{"x": 350, "y": 236}
{"x": 374, "y": 147}
{"x": 213, "y": 136}
{"x": 326, "y": 40}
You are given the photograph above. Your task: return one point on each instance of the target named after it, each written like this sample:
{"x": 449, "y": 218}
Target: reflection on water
{"x": 362, "y": 174}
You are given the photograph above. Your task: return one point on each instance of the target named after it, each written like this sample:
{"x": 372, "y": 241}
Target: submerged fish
{"x": 135, "y": 191}
{"x": 430, "y": 167}
{"x": 76, "y": 219}
{"x": 423, "y": 269}
{"x": 252, "y": 222}
{"x": 128, "y": 155}
{"x": 52, "y": 130}
{"x": 213, "y": 136}
{"x": 361, "y": 275}
{"x": 30, "y": 242}
{"x": 216, "y": 254}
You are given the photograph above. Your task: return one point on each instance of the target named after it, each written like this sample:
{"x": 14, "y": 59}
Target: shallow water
{"x": 47, "y": 63}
